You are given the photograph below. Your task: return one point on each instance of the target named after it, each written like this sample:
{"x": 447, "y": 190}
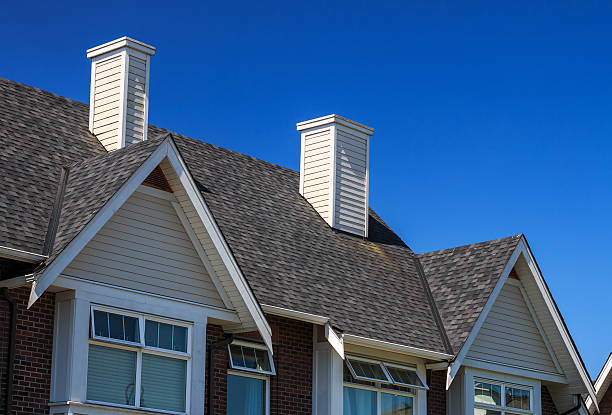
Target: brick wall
{"x": 605, "y": 406}
{"x": 548, "y": 406}
{"x": 33, "y": 352}
{"x": 291, "y": 388}
{"x": 436, "y": 395}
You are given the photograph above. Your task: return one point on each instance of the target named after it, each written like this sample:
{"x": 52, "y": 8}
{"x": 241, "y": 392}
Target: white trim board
{"x": 166, "y": 150}
{"x": 19, "y": 255}
{"x": 522, "y": 248}
{"x": 603, "y": 378}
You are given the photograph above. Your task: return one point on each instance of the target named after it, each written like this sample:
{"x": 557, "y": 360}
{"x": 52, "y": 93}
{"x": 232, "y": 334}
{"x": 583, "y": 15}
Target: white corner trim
{"x": 334, "y": 340}
{"x": 454, "y": 368}
{"x": 197, "y": 245}
{"x": 599, "y": 382}
{"x": 219, "y": 241}
{"x": 296, "y": 315}
{"x": 333, "y": 148}
{"x": 91, "y": 229}
{"x": 19, "y": 255}
{"x": 394, "y": 347}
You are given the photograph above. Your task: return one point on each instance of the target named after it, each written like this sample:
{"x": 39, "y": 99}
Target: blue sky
{"x": 489, "y": 120}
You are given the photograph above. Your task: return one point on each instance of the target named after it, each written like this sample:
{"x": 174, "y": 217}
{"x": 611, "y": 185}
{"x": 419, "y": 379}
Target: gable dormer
{"x": 119, "y": 96}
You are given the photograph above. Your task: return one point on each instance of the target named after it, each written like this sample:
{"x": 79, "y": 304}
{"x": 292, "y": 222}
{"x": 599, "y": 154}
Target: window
{"x": 251, "y": 357}
{"x": 248, "y": 381}
{"x": 379, "y": 388}
{"x": 497, "y": 398}
{"x": 137, "y": 360}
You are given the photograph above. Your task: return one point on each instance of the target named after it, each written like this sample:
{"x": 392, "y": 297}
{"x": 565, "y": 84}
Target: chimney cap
{"x": 122, "y": 42}
{"x": 334, "y": 118}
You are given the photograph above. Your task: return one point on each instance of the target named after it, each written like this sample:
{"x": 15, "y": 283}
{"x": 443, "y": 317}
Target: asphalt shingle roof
{"x": 462, "y": 279}
{"x": 289, "y": 255}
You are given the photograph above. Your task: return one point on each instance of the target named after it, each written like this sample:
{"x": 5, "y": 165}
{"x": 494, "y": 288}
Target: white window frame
{"x": 263, "y": 377}
{"x": 383, "y": 365}
{"x": 502, "y": 408}
{"x": 471, "y": 374}
{"x": 253, "y": 345}
{"x": 140, "y": 348}
{"x": 378, "y": 388}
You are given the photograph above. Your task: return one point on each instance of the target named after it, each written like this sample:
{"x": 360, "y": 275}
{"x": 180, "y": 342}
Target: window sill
{"x": 99, "y": 409}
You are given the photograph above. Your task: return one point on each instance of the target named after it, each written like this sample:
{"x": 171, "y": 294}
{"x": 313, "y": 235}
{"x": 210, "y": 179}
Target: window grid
{"x": 384, "y": 367}
{"x": 380, "y": 388}
{"x": 255, "y": 346}
{"x": 141, "y": 348}
{"x": 502, "y": 408}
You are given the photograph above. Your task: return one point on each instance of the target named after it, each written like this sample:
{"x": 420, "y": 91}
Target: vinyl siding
{"x": 136, "y": 91}
{"x": 317, "y": 171}
{"x": 510, "y": 336}
{"x": 145, "y": 247}
{"x": 351, "y": 181}
{"x": 106, "y": 101}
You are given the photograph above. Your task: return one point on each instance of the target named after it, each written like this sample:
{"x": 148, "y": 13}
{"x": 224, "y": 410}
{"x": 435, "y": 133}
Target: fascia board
{"x": 229, "y": 261}
{"x": 456, "y": 365}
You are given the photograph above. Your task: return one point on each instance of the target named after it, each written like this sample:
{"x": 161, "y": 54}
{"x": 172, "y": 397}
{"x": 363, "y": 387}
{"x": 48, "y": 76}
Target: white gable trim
{"x": 456, "y": 365}
{"x": 602, "y": 379}
{"x": 198, "y": 247}
{"x": 537, "y": 323}
{"x": 166, "y": 149}
{"x": 91, "y": 229}
{"x": 523, "y": 248}
{"x": 213, "y": 230}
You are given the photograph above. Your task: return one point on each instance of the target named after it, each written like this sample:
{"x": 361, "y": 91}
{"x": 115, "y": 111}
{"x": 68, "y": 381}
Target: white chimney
{"x": 119, "y": 96}
{"x": 334, "y": 171}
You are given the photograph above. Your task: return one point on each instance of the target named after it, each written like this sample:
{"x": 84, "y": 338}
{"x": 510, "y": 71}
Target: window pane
{"x": 368, "y": 370}
{"x": 163, "y": 383}
{"x": 359, "y": 401}
{"x": 405, "y": 376}
{"x": 245, "y": 396}
{"x": 151, "y": 333}
{"x": 395, "y": 404}
{"x": 165, "y": 336}
{"x": 517, "y": 398}
{"x": 100, "y": 323}
{"x": 236, "y": 351}
{"x": 179, "y": 339}
{"x": 483, "y": 411}
{"x": 263, "y": 360}
{"x": 132, "y": 333}
{"x": 115, "y": 322}
{"x": 487, "y": 393}
{"x": 249, "y": 357}
{"x": 111, "y": 375}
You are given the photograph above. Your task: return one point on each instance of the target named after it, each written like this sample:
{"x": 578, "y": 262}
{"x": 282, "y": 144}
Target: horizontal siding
{"x": 107, "y": 87}
{"x": 351, "y": 179}
{"x": 145, "y": 247}
{"x": 510, "y": 336}
{"x": 317, "y": 171}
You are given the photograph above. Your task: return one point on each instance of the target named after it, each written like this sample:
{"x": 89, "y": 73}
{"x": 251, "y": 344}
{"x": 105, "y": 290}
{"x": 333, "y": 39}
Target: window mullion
{"x": 379, "y": 402}
{"x": 137, "y": 387}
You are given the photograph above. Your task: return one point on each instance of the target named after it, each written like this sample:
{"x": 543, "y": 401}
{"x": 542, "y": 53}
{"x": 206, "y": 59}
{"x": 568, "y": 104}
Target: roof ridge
{"x": 20, "y": 84}
{"x": 450, "y": 250}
